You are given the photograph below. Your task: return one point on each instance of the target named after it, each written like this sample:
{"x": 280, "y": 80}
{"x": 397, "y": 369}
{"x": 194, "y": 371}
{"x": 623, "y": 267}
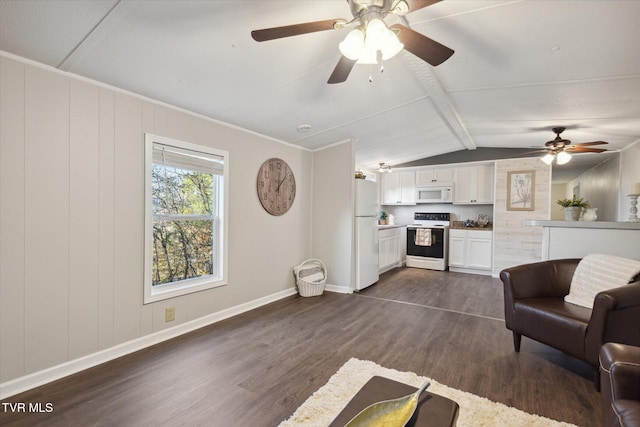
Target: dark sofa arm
{"x": 623, "y": 297}
{"x": 615, "y": 318}
{"x": 620, "y": 379}
{"x": 543, "y": 279}
{"x": 622, "y": 362}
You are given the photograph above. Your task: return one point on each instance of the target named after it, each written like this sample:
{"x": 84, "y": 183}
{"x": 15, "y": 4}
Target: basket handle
{"x": 324, "y": 267}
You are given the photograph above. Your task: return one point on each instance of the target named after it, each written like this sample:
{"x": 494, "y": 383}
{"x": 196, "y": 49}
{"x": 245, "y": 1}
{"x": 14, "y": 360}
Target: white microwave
{"x": 433, "y": 195}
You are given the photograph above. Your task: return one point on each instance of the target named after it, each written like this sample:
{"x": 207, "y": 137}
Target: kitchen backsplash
{"x": 404, "y": 214}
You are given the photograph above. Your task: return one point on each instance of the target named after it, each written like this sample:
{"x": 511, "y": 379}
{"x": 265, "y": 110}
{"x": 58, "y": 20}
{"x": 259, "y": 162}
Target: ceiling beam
{"x": 90, "y": 42}
{"x": 441, "y": 102}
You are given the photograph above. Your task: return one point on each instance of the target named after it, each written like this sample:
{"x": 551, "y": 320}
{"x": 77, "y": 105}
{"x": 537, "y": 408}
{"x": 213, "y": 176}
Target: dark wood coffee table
{"x": 432, "y": 410}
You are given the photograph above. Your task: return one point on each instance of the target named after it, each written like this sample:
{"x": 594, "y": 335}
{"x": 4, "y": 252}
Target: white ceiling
{"x": 519, "y": 68}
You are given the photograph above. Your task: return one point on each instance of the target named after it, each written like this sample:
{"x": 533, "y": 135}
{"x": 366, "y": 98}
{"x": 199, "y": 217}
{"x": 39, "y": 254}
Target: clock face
{"x": 276, "y": 186}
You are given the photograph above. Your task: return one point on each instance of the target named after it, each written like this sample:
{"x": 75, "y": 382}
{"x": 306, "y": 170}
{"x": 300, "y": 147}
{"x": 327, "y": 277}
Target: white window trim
{"x": 183, "y": 287}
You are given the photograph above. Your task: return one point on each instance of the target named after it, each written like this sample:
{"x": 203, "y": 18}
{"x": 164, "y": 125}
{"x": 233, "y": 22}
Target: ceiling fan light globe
{"x": 392, "y": 46}
{"x": 563, "y": 158}
{"x": 548, "y": 158}
{"x": 352, "y": 45}
{"x": 376, "y": 34}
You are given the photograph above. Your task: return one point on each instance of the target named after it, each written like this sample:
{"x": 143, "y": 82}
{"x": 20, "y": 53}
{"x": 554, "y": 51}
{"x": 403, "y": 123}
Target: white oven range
{"x": 428, "y": 241}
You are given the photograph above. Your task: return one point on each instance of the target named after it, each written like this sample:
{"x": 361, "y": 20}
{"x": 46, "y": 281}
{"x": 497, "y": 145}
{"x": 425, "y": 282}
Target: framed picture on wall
{"x": 520, "y": 190}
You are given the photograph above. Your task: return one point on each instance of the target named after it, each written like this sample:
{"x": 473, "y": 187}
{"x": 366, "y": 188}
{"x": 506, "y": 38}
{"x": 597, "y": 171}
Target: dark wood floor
{"x": 257, "y": 368}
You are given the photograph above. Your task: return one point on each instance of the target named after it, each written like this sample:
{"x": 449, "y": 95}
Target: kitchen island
{"x": 576, "y": 239}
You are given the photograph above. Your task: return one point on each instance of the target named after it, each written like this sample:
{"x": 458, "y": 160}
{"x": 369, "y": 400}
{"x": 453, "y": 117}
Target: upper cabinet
{"x": 398, "y": 188}
{"x": 474, "y": 184}
{"x": 434, "y": 177}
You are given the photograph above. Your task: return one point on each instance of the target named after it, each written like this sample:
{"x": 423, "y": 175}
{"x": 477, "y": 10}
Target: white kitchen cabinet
{"x": 479, "y": 244}
{"x": 398, "y": 188}
{"x": 434, "y": 177}
{"x": 457, "y": 248}
{"x": 390, "y": 253}
{"x": 473, "y": 184}
{"x": 470, "y": 251}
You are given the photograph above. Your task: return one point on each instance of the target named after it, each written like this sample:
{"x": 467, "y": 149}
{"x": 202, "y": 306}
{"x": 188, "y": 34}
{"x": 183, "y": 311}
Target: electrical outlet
{"x": 169, "y": 314}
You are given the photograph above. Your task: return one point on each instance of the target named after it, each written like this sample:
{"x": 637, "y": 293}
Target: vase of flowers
{"x": 573, "y": 207}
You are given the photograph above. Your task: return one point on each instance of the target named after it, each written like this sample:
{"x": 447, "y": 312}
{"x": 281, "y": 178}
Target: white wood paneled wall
{"x": 12, "y": 220}
{"x": 515, "y": 243}
{"x": 71, "y": 218}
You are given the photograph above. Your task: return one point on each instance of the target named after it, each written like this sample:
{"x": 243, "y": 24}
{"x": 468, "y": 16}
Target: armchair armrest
{"x": 620, "y": 382}
{"x": 622, "y": 364}
{"x": 614, "y": 318}
{"x": 538, "y": 280}
{"x": 624, "y": 296}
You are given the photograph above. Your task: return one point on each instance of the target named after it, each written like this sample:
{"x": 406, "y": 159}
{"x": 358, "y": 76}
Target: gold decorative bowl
{"x": 388, "y": 413}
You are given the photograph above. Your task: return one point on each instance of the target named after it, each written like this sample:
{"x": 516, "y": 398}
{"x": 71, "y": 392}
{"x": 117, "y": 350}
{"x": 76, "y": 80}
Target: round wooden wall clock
{"x": 276, "y": 186}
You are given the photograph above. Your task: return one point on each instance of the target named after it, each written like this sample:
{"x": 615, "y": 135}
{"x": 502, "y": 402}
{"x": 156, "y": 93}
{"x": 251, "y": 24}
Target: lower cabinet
{"x": 471, "y": 251}
{"x": 391, "y": 248}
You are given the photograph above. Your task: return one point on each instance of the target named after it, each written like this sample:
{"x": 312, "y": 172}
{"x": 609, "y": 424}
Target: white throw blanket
{"x": 596, "y": 273}
{"x": 424, "y": 237}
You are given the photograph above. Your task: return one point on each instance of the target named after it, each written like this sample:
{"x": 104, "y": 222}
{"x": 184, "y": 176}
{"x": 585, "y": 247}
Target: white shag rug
{"x": 326, "y": 403}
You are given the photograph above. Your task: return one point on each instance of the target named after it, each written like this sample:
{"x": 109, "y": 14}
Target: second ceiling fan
{"x": 560, "y": 148}
{"x": 371, "y": 39}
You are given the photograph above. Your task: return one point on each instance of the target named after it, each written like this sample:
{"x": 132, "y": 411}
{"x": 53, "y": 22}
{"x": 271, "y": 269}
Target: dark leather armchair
{"x": 620, "y": 385}
{"x": 534, "y": 307}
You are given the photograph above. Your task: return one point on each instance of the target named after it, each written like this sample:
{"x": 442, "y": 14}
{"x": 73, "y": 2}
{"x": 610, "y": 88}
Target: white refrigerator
{"x": 366, "y": 238}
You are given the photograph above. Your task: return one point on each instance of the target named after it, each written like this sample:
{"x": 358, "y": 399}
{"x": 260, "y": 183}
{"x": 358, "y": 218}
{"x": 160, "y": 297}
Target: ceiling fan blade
{"x": 578, "y": 149}
{"x": 342, "y": 70}
{"x": 422, "y": 46}
{"x": 592, "y": 143}
{"x": 419, "y": 4}
{"x": 294, "y": 30}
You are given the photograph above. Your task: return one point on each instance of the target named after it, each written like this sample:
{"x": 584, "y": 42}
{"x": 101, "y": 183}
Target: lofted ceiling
{"x": 519, "y": 69}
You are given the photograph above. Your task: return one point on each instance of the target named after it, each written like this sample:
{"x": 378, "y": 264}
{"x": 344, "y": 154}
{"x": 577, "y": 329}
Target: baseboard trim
{"x": 338, "y": 289}
{"x": 53, "y": 373}
{"x": 471, "y": 271}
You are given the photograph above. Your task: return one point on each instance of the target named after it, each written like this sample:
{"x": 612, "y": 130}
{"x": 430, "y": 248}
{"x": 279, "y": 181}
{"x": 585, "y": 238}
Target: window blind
{"x": 168, "y": 155}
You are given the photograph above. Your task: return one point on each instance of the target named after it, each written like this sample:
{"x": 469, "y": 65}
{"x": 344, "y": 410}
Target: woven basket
{"x": 311, "y": 276}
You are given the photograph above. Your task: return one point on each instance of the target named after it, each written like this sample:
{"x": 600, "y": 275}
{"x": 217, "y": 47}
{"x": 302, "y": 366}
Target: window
{"x": 185, "y": 200}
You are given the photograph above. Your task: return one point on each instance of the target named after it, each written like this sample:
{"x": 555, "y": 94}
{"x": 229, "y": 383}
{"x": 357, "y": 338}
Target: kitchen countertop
{"x": 384, "y": 227}
{"x": 584, "y": 224}
{"x": 459, "y": 225}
